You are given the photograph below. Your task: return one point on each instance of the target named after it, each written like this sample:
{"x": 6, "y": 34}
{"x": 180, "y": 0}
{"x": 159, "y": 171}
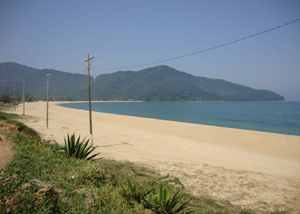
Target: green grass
{"x": 76, "y": 182}
{"x": 212, "y": 203}
{"x": 247, "y": 212}
{"x": 21, "y": 127}
{"x": 5, "y": 116}
{"x": 25, "y": 129}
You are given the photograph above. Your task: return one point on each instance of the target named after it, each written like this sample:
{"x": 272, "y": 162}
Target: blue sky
{"x": 59, "y": 35}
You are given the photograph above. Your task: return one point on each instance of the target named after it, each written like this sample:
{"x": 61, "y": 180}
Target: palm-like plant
{"x": 78, "y": 149}
{"x": 132, "y": 192}
{"x": 172, "y": 202}
{"x": 162, "y": 202}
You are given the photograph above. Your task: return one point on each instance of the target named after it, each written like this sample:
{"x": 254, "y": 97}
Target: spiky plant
{"x": 162, "y": 202}
{"x": 78, "y": 149}
{"x": 132, "y": 192}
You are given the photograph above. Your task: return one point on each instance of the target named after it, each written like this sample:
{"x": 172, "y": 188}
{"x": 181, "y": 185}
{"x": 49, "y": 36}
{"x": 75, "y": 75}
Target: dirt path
{"x": 5, "y": 145}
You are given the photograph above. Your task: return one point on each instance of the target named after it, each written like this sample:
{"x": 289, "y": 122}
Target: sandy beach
{"x": 255, "y": 170}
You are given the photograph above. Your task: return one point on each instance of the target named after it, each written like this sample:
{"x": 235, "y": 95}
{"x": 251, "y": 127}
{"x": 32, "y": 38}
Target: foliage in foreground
{"x": 78, "y": 149}
{"x": 162, "y": 202}
{"x": 81, "y": 186}
{"x": 21, "y": 127}
{"x": 25, "y": 129}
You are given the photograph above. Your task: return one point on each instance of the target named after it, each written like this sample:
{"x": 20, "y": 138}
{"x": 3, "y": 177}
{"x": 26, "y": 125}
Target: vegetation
{"x": 24, "y": 129}
{"x": 42, "y": 179}
{"x": 78, "y": 149}
{"x": 19, "y": 98}
{"x": 162, "y": 202}
{"x": 160, "y": 83}
{"x": 5, "y": 116}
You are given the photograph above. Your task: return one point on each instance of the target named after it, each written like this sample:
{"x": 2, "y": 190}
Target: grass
{"x": 21, "y": 127}
{"x": 247, "y": 212}
{"x": 82, "y": 186}
{"x": 24, "y": 129}
{"x": 5, "y": 116}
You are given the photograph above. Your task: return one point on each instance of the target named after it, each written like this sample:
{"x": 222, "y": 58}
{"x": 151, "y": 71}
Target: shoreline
{"x": 187, "y": 101}
{"x": 188, "y": 122}
{"x": 249, "y": 168}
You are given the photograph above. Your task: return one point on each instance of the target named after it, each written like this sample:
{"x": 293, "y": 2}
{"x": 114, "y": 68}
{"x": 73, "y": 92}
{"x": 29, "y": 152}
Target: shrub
{"x": 25, "y": 129}
{"x": 78, "y": 149}
{"x": 162, "y": 202}
{"x": 132, "y": 193}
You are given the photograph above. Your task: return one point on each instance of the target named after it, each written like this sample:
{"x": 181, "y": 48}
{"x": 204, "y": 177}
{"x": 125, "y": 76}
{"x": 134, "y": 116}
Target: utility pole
{"x": 48, "y": 77}
{"x": 15, "y": 97}
{"x": 11, "y": 103}
{"x": 90, "y": 103}
{"x": 23, "y": 97}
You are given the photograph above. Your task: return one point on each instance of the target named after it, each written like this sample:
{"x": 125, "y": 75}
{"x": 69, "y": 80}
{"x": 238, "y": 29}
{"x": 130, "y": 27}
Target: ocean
{"x": 275, "y": 117}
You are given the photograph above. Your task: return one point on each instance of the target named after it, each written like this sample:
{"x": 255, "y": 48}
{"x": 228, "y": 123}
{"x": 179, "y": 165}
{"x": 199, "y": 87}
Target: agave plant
{"x": 172, "y": 202}
{"x": 78, "y": 149}
{"x": 134, "y": 193}
{"x": 162, "y": 202}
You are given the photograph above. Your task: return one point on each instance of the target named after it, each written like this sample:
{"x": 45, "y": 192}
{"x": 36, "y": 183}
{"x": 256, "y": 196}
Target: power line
{"x": 204, "y": 50}
{"x": 79, "y": 75}
{"x": 75, "y": 79}
{"x": 77, "y": 69}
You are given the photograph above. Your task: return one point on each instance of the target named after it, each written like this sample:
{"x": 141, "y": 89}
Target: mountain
{"x": 63, "y": 85}
{"x": 159, "y": 83}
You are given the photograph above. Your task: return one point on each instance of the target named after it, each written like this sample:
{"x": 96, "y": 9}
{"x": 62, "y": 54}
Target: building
{"x": 6, "y": 99}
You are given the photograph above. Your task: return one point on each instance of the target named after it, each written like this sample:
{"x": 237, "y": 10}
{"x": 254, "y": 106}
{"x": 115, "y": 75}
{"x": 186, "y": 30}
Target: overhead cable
{"x": 204, "y": 50}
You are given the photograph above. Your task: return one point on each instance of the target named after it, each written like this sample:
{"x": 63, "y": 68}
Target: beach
{"x": 255, "y": 170}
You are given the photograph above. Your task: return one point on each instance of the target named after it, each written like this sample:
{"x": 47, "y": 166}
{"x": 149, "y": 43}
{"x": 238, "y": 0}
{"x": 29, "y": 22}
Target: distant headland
{"x": 159, "y": 83}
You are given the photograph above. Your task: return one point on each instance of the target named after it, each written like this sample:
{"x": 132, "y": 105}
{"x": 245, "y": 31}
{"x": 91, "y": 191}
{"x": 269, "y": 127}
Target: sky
{"x": 59, "y": 35}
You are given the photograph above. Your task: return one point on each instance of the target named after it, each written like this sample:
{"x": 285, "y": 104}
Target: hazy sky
{"x": 59, "y": 35}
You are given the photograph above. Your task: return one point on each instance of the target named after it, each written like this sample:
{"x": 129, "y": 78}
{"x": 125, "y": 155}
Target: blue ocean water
{"x": 275, "y": 117}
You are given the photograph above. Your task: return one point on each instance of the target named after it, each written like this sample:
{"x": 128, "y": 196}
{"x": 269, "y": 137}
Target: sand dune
{"x": 253, "y": 169}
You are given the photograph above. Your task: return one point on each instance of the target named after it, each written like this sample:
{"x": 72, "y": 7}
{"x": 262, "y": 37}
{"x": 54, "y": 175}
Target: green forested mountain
{"x": 160, "y": 83}
{"x": 63, "y": 85}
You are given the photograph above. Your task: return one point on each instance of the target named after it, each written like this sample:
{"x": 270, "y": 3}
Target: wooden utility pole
{"x": 48, "y": 78}
{"x": 14, "y": 97}
{"x": 11, "y": 103}
{"x": 23, "y": 97}
{"x": 90, "y": 103}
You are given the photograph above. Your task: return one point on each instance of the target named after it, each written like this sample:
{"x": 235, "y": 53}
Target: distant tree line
{"x": 160, "y": 83}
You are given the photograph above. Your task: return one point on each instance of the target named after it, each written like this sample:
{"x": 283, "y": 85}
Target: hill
{"x": 63, "y": 85}
{"x": 159, "y": 83}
